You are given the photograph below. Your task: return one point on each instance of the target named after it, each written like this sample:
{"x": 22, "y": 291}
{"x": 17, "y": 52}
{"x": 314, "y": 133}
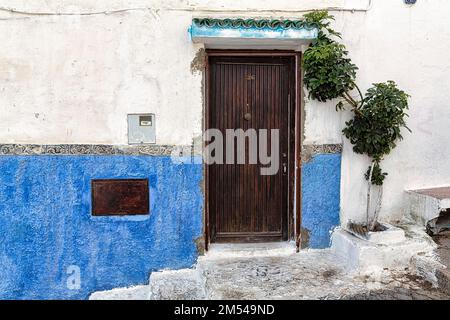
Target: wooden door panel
{"x": 245, "y": 205}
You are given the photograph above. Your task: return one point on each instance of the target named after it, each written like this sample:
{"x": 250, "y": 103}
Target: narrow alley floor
{"x": 310, "y": 274}
{"x": 275, "y": 271}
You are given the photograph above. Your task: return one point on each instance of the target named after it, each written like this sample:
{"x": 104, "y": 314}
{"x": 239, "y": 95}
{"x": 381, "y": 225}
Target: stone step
{"x": 184, "y": 284}
{"x": 131, "y": 293}
{"x": 249, "y": 250}
{"x": 425, "y": 205}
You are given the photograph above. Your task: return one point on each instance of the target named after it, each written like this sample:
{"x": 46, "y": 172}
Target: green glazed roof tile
{"x": 252, "y": 23}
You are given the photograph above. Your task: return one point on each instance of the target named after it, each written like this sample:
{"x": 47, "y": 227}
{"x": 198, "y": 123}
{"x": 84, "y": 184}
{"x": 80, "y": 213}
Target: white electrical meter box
{"x": 141, "y": 128}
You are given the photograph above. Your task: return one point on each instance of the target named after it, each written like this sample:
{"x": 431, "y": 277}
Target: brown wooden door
{"x": 244, "y": 93}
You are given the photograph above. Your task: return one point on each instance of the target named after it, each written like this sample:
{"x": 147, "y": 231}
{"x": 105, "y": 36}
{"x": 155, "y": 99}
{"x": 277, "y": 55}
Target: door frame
{"x": 294, "y": 177}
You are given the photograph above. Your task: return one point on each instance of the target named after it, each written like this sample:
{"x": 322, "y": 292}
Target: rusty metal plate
{"x": 119, "y": 197}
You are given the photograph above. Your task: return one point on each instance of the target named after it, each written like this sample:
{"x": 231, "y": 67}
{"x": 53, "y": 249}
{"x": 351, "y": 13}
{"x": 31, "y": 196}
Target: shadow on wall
{"x": 321, "y": 179}
{"x": 52, "y": 248}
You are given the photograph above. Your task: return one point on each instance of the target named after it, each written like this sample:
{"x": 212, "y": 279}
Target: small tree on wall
{"x": 378, "y": 115}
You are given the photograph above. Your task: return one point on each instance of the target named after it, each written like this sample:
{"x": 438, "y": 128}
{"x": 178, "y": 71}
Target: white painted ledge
{"x": 427, "y": 204}
{"x": 131, "y": 293}
{"x": 385, "y": 250}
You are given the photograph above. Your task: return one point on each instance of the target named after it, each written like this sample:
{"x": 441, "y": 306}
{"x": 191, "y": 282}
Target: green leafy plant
{"x": 379, "y": 115}
{"x": 329, "y": 73}
{"x": 322, "y": 20}
{"x": 376, "y": 127}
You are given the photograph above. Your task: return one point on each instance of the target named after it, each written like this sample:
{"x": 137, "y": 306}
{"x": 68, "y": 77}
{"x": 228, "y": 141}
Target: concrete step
{"x": 392, "y": 249}
{"x": 131, "y": 293}
{"x": 425, "y": 205}
{"x": 184, "y": 284}
{"x": 249, "y": 250}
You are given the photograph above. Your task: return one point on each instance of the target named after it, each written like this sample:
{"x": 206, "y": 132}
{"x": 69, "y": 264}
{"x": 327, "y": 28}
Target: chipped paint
{"x": 309, "y": 151}
{"x": 198, "y": 63}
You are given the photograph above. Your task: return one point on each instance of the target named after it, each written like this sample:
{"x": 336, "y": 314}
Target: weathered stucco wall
{"x": 73, "y": 79}
{"x": 88, "y": 68}
{"x": 408, "y": 44}
{"x": 48, "y": 231}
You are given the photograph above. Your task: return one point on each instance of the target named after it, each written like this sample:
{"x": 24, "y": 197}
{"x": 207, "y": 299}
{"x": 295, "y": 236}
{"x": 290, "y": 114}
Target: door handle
{"x": 284, "y": 168}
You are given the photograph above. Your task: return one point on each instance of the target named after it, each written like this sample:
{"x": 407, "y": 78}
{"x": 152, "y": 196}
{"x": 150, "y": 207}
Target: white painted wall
{"x": 73, "y": 77}
{"x": 408, "y": 44}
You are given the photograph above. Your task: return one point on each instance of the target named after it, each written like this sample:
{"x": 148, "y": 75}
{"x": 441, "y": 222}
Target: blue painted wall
{"x": 46, "y": 224}
{"x": 321, "y": 179}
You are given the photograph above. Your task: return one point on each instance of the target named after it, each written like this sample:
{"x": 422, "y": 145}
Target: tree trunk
{"x": 377, "y": 209}
{"x": 369, "y": 191}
